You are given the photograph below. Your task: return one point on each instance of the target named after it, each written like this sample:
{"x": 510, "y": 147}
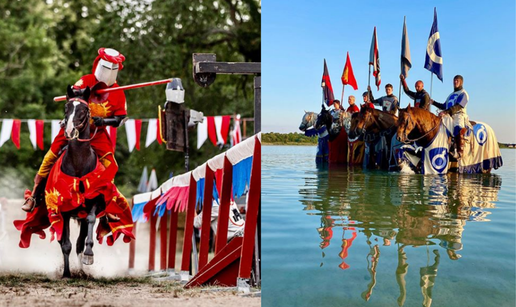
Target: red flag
{"x": 374, "y": 59}
{"x": 224, "y": 130}
{"x": 212, "y": 132}
{"x": 326, "y": 85}
{"x": 138, "y": 130}
{"x": 39, "y": 133}
{"x": 15, "y": 133}
{"x": 347, "y": 75}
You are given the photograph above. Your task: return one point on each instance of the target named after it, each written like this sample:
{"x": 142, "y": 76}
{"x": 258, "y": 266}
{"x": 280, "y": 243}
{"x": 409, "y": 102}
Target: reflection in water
{"x": 408, "y": 210}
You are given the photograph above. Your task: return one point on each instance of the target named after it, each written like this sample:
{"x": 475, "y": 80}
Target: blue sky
{"x": 477, "y": 42}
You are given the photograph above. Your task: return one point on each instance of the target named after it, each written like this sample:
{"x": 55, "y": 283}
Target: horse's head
{"x": 77, "y": 112}
{"x": 307, "y": 121}
{"x": 361, "y": 122}
{"x": 324, "y": 118}
{"x": 405, "y": 123}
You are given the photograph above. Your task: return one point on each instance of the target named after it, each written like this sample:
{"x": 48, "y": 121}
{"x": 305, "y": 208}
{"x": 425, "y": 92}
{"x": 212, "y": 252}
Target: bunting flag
{"x": 130, "y": 131}
{"x": 138, "y": 130}
{"x": 7, "y": 128}
{"x": 222, "y": 128}
{"x": 405, "y": 51}
{"x": 15, "y": 134}
{"x": 31, "y": 123}
{"x": 326, "y": 85}
{"x": 36, "y": 132}
{"x": 347, "y": 75}
{"x": 142, "y": 185}
{"x": 212, "y": 131}
{"x": 433, "y": 59}
{"x": 152, "y": 130}
{"x": 202, "y": 132}
{"x": 374, "y": 59}
{"x": 55, "y": 125}
{"x": 237, "y": 134}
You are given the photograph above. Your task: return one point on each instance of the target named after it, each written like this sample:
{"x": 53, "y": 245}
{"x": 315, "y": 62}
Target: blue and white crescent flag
{"x": 434, "y": 60}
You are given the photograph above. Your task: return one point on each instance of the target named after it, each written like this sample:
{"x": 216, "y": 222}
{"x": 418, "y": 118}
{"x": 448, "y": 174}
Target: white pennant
{"x": 32, "y": 131}
{"x": 218, "y": 128}
{"x": 7, "y": 128}
{"x": 130, "y": 130}
{"x": 202, "y": 132}
{"x": 153, "y": 181}
{"x": 55, "y": 128}
{"x": 152, "y": 131}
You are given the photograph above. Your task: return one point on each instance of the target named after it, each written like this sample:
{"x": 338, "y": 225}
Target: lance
{"x": 101, "y": 88}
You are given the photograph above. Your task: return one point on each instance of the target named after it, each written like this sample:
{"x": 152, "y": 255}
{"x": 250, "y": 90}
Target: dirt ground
{"x": 32, "y": 276}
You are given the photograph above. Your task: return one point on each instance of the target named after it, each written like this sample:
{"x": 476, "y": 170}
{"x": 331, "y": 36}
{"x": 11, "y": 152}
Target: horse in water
{"x": 338, "y": 137}
{"x": 479, "y": 154}
{"x": 308, "y": 127}
{"x": 377, "y": 129}
{"x": 79, "y": 187}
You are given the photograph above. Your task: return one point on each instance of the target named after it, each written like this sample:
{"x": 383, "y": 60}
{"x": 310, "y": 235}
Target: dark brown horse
{"x": 374, "y": 126}
{"x": 78, "y": 160}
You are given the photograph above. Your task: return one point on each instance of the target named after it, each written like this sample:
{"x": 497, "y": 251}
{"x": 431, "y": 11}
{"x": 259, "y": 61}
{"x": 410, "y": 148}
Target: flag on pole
{"x": 374, "y": 59}
{"x": 347, "y": 75}
{"x": 405, "y": 51}
{"x": 326, "y": 85}
{"x": 434, "y": 60}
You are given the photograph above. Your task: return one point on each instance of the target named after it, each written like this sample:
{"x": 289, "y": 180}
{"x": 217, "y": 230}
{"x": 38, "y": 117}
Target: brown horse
{"x": 416, "y": 124}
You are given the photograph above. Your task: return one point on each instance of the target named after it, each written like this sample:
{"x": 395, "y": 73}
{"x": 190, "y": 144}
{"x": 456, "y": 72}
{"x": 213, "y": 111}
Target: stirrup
{"x": 33, "y": 204}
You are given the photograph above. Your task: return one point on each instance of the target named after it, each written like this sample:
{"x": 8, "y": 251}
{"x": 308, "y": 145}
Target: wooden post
{"x": 132, "y": 249}
{"x": 163, "y": 242}
{"x": 253, "y": 205}
{"x": 206, "y": 218}
{"x": 152, "y": 240}
{"x": 187, "y": 241}
{"x": 172, "y": 241}
{"x": 225, "y": 203}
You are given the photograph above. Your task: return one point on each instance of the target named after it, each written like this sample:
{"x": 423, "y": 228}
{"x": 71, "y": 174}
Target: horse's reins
{"x": 407, "y": 141}
{"x": 81, "y": 125}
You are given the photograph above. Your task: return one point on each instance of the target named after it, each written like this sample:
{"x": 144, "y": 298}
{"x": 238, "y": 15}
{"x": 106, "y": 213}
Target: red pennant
{"x": 15, "y": 133}
{"x": 212, "y": 133}
{"x": 138, "y": 128}
{"x": 39, "y": 133}
{"x": 224, "y": 130}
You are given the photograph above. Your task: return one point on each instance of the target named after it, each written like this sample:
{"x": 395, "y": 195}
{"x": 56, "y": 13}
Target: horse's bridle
{"x": 76, "y": 129}
{"x": 405, "y": 136}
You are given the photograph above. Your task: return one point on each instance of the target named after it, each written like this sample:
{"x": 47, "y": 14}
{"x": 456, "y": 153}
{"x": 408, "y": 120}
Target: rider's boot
{"x": 48, "y": 161}
{"x": 30, "y": 197}
{"x": 459, "y": 142}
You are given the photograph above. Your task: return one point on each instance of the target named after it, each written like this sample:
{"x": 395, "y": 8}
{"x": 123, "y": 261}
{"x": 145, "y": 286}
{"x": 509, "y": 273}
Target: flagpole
{"x": 369, "y": 80}
{"x": 431, "y": 83}
{"x": 342, "y": 95}
{"x": 399, "y": 96}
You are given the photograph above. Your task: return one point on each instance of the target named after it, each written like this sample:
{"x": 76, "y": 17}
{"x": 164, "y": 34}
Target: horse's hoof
{"x": 87, "y": 260}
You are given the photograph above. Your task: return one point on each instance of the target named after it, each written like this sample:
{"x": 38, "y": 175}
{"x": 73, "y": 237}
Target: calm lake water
{"x": 352, "y": 237}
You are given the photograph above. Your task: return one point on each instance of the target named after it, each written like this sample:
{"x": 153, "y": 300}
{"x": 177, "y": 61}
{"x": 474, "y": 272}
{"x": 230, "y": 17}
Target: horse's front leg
{"x": 88, "y": 253}
{"x": 66, "y": 245}
{"x": 81, "y": 240}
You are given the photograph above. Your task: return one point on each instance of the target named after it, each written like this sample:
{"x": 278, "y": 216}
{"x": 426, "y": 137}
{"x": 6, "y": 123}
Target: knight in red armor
{"x": 109, "y": 111}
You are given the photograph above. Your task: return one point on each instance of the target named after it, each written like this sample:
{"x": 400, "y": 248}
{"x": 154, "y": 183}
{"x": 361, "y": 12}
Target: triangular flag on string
{"x": 7, "y": 128}
{"x": 153, "y": 181}
{"x": 142, "y": 186}
{"x": 138, "y": 130}
{"x": 55, "y": 129}
{"x": 131, "y": 134}
{"x": 224, "y": 130}
{"x": 218, "y": 129}
{"x": 31, "y": 123}
{"x": 15, "y": 134}
{"x": 151, "y": 131}
{"x": 39, "y": 133}
{"x": 212, "y": 131}
{"x": 237, "y": 134}
{"x": 202, "y": 132}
